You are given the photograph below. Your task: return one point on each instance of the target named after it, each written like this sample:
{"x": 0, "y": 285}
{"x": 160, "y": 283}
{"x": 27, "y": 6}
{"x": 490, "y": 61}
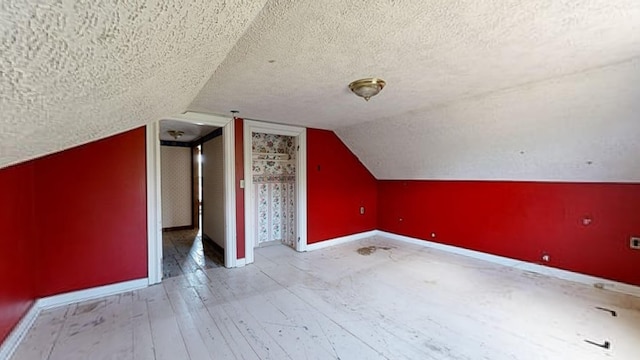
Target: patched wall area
{"x": 581, "y": 127}
{"x": 76, "y": 71}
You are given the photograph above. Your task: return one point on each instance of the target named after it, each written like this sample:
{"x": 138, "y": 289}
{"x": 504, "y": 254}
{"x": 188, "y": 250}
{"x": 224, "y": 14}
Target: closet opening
{"x": 275, "y": 186}
{"x": 273, "y": 164}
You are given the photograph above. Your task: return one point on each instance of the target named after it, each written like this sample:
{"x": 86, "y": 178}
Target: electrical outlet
{"x": 634, "y": 242}
{"x": 361, "y": 210}
{"x": 546, "y": 257}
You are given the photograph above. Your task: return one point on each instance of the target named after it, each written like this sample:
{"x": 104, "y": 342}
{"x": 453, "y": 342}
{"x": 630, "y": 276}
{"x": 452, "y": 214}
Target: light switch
{"x": 242, "y": 184}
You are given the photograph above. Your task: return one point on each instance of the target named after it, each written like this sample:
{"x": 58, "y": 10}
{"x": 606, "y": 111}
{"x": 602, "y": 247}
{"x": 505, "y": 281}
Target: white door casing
{"x": 300, "y": 134}
{"x": 154, "y": 201}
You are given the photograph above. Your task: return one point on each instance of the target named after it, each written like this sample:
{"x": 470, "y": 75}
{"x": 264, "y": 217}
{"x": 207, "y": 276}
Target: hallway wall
{"x": 213, "y": 214}
{"x": 176, "y": 182}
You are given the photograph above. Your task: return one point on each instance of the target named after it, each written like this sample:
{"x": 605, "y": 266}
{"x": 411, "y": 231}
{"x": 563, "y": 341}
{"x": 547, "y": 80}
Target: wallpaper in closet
{"x": 274, "y": 186}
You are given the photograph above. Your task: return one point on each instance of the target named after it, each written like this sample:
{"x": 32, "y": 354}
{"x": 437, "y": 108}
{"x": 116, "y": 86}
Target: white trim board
{"x": 154, "y": 197}
{"x": 154, "y": 204}
{"x": 500, "y": 260}
{"x": 13, "y": 340}
{"x": 50, "y": 302}
{"x": 341, "y": 240}
{"x": 300, "y": 134}
{"x": 11, "y": 343}
{"x": 230, "y": 236}
{"x": 522, "y": 265}
{"x": 241, "y": 262}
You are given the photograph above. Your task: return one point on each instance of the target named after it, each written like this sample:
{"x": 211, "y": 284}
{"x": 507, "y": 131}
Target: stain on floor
{"x": 85, "y": 308}
{"x": 368, "y": 250}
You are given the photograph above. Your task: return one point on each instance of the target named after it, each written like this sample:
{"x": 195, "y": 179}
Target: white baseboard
{"x": 241, "y": 262}
{"x": 522, "y": 265}
{"x": 12, "y": 341}
{"x": 92, "y": 293}
{"x": 341, "y": 240}
{"x": 582, "y": 278}
{"x": 10, "y": 344}
{"x": 453, "y": 249}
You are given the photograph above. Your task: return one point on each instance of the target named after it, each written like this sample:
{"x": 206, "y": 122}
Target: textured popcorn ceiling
{"x": 190, "y": 131}
{"x": 72, "y": 71}
{"x": 516, "y": 90}
{"x": 582, "y": 127}
{"x": 468, "y": 81}
{"x": 430, "y": 53}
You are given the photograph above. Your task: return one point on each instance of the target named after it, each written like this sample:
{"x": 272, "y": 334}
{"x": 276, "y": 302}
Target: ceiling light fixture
{"x": 175, "y": 133}
{"x": 367, "y": 88}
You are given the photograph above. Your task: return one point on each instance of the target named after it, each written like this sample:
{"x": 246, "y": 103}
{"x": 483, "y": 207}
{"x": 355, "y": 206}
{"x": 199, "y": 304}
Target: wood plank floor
{"x": 184, "y": 252}
{"x": 371, "y": 299}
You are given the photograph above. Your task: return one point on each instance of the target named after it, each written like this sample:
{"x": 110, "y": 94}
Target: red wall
{"x": 337, "y": 186}
{"x": 523, "y": 220}
{"x": 80, "y": 215}
{"x": 91, "y": 214}
{"x": 239, "y": 154}
{"x": 72, "y": 220}
{"x": 17, "y": 250}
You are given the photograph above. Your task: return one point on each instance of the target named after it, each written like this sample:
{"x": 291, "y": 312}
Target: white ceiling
{"x": 72, "y": 72}
{"x": 75, "y": 71}
{"x": 431, "y": 53}
{"x": 191, "y": 131}
{"x": 582, "y": 127}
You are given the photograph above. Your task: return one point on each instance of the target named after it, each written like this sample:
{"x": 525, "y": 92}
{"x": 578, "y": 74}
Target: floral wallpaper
{"x": 274, "y": 186}
{"x": 271, "y": 143}
{"x": 275, "y": 220}
{"x": 273, "y": 157}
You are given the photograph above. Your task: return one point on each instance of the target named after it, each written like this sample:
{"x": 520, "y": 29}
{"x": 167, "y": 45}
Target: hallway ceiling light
{"x": 367, "y": 88}
{"x": 175, "y": 133}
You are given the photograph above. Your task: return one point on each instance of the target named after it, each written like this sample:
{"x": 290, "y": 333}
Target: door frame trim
{"x": 154, "y": 198}
{"x": 300, "y": 133}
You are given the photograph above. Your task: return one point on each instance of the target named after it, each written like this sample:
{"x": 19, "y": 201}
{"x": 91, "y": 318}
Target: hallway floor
{"x": 370, "y": 299}
{"x": 184, "y": 252}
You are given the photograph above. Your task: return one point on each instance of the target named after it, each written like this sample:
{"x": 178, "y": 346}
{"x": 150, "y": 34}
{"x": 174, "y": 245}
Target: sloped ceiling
{"x": 581, "y": 127}
{"x": 430, "y": 53}
{"x": 515, "y": 90}
{"x": 458, "y": 72}
{"x": 74, "y": 71}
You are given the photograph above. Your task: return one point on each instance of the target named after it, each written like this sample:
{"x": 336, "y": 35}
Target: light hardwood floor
{"x": 184, "y": 251}
{"x": 391, "y": 300}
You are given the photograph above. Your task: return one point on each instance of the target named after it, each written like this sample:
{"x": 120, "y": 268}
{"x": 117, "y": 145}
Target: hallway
{"x": 184, "y": 252}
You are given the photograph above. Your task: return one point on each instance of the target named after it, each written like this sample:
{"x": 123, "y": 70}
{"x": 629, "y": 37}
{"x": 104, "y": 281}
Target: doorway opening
{"x": 275, "y": 186}
{"x": 190, "y": 255}
{"x": 191, "y": 241}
